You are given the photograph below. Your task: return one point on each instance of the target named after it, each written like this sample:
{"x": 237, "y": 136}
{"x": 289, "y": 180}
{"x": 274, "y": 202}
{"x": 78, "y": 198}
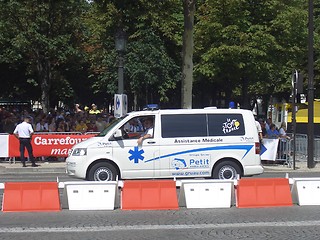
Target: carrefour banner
{"x": 48, "y": 145}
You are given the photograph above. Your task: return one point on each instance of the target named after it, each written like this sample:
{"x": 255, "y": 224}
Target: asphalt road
{"x": 296, "y": 222}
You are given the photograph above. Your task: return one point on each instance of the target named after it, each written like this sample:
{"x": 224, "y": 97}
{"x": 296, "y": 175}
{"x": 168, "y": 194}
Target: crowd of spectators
{"x": 59, "y": 120}
{"x": 270, "y": 130}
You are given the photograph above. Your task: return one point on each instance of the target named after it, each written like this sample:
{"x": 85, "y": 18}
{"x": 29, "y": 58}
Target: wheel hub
{"x": 103, "y": 174}
{"x": 227, "y": 173}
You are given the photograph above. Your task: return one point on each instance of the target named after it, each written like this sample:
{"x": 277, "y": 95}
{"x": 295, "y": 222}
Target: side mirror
{"x": 118, "y": 134}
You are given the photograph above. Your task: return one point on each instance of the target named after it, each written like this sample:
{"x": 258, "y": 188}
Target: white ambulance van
{"x": 185, "y": 143}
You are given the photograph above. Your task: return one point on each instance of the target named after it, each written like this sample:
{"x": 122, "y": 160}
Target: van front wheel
{"x": 226, "y": 170}
{"x": 102, "y": 172}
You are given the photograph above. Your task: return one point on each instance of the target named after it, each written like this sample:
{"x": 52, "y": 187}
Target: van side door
{"x": 136, "y": 161}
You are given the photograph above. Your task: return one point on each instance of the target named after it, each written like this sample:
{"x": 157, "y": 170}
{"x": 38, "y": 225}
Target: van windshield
{"x": 108, "y": 128}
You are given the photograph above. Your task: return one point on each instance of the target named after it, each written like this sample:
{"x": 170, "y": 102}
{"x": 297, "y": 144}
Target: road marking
{"x": 156, "y": 227}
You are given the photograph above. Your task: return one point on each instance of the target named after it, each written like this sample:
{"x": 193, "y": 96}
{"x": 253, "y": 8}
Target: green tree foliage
{"x": 250, "y": 45}
{"x": 151, "y": 60}
{"x": 43, "y": 36}
{"x": 65, "y": 51}
{"x": 150, "y": 69}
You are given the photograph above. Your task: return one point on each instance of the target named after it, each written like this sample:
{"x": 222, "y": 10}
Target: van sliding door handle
{"x": 151, "y": 142}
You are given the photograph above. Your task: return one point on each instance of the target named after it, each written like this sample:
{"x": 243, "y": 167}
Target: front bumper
{"x": 75, "y": 167}
{"x": 253, "y": 170}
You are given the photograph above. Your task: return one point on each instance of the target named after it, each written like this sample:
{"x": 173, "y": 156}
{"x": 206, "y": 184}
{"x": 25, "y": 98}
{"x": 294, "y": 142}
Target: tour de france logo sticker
{"x": 230, "y": 126}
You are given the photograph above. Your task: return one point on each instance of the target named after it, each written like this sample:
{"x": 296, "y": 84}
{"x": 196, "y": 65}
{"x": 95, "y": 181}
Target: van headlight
{"x": 79, "y": 152}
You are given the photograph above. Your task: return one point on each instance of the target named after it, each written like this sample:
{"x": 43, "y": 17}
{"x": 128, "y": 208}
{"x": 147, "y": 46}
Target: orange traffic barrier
{"x": 263, "y": 192}
{"x": 149, "y": 195}
{"x": 31, "y": 197}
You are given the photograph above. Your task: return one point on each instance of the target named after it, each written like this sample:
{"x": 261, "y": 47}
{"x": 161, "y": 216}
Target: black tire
{"x": 102, "y": 172}
{"x": 226, "y": 170}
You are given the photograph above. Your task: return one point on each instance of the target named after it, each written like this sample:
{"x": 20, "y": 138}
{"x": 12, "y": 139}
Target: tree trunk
{"x": 245, "y": 96}
{"x": 135, "y": 101}
{"x": 187, "y": 54}
{"x": 44, "y": 73}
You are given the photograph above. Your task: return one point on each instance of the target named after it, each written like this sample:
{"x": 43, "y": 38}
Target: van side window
{"x": 184, "y": 125}
{"x": 226, "y": 125}
{"x": 134, "y": 125}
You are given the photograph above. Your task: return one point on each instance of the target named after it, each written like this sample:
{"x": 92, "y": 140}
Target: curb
{"x": 290, "y": 170}
{"x": 43, "y": 168}
{"x": 31, "y": 170}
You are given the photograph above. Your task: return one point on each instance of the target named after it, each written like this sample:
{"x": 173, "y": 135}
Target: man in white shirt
{"x": 259, "y": 129}
{"x": 24, "y": 132}
{"x": 148, "y": 124}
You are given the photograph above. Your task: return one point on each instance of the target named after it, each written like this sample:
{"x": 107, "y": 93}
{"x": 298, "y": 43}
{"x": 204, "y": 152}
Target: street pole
{"x": 120, "y": 73}
{"x": 310, "y": 163}
{"x": 120, "y": 43}
{"x": 295, "y": 77}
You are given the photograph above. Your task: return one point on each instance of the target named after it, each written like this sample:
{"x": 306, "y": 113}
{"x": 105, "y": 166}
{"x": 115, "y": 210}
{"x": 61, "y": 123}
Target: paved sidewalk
{"x": 60, "y": 167}
{"x": 44, "y": 167}
{"x": 300, "y": 166}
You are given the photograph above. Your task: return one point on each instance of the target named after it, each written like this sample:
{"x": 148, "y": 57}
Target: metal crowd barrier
{"x": 66, "y": 133}
{"x": 302, "y": 147}
{"x": 284, "y": 152}
{"x": 316, "y": 149}
{"x": 60, "y": 133}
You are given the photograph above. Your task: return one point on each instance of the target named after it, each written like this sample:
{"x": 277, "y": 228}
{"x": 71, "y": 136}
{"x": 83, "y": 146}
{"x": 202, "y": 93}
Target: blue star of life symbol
{"x": 136, "y": 154}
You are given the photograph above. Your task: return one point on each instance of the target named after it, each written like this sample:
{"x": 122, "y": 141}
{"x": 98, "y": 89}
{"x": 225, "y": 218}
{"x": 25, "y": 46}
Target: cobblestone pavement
{"x": 232, "y": 223}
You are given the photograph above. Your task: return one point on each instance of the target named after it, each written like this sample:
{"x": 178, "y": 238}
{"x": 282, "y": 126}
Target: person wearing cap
{"x": 24, "y": 132}
{"x": 94, "y": 109}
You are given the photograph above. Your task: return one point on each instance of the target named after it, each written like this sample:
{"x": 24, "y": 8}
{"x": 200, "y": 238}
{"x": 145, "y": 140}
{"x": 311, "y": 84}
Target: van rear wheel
{"x": 102, "y": 172}
{"x": 226, "y": 170}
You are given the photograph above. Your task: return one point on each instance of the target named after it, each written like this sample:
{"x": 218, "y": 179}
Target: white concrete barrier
{"x": 91, "y": 195}
{"x": 306, "y": 191}
{"x": 206, "y": 193}
{"x": 4, "y": 145}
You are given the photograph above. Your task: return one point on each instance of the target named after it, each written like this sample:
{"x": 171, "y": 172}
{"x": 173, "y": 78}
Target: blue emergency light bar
{"x": 151, "y": 107}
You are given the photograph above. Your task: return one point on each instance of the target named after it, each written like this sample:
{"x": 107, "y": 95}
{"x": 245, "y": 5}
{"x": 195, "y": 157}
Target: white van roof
{"x": 192, "y": 111}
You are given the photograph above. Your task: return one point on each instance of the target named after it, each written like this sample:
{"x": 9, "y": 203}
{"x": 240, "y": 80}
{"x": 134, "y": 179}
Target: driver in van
{"x": 148, "y": 125}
